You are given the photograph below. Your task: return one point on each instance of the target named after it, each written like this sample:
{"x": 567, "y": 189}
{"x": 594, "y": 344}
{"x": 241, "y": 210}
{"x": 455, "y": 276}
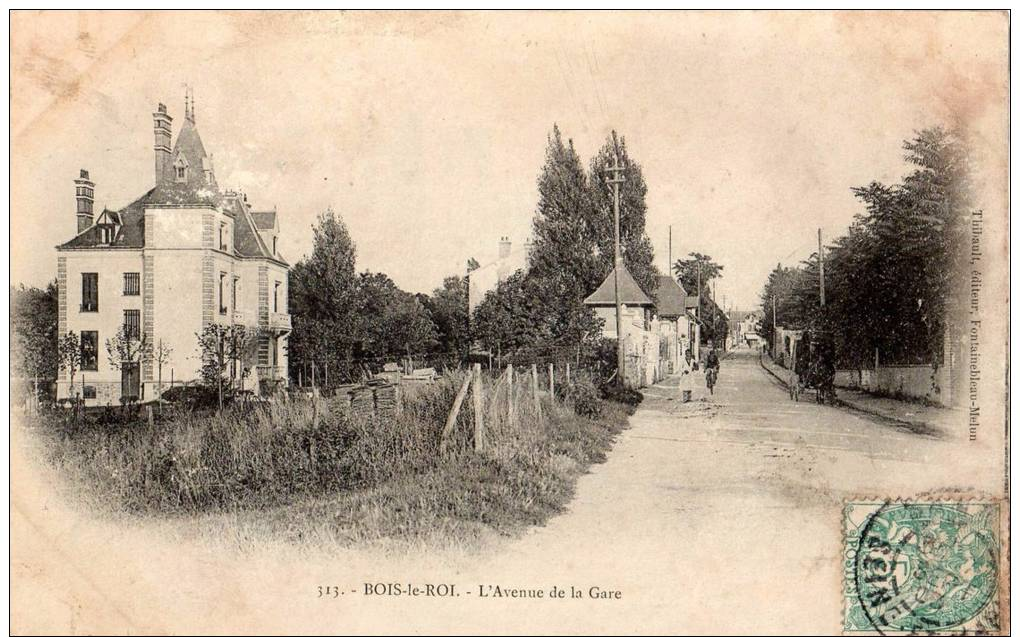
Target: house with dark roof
{"x": 638, "y": 307}
{"x": 183, "y": 255}
{"x": 638, "y": 328}
{"x": 678, "y": 326}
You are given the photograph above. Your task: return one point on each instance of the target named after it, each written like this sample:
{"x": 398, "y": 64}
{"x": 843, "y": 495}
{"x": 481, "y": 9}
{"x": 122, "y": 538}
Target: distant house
{"x": 676, "y": 319}
{"x": 744, "y": 327}
{"x": 486, "y": 277}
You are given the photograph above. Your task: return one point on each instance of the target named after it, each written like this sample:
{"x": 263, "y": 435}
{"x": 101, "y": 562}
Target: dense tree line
{"x": 341, "y": 316}
{"x": 893, "y": 281}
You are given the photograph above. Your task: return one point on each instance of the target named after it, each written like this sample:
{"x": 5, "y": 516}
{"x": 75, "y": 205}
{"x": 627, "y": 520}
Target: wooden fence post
{"x": 552, "y": 383}
{"x": 494, "y": 402}
{"x": 444, "y": 439}
{"x": 510, "y": 393}
{"x": 148, "y": 408}
{"x": 568, "y": 372}
{"x": 478, "y": 401}
{"x": 534, "y": 388}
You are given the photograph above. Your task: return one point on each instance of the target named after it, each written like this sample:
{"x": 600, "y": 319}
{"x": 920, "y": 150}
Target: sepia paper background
{"x": 428, "y": 129}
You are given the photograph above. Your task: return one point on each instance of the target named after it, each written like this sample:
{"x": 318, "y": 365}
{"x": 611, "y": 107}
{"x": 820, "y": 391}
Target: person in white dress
{"x": 686, "y": 370}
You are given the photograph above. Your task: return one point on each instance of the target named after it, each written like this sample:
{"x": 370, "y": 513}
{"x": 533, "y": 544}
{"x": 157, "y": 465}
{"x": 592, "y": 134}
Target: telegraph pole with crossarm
{"x": 615, "y": 180}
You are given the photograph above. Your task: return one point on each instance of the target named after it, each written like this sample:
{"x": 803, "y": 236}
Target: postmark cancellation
{"x": 921, "y": 567}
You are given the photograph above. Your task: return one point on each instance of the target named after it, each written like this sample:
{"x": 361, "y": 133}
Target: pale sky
{"x": 427, "y": 131}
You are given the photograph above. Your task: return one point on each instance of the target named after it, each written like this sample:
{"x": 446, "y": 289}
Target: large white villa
{"x": 180, "y": 257}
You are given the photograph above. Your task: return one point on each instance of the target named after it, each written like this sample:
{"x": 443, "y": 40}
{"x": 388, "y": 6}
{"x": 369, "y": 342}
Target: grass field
{"x": 311, "y": 474}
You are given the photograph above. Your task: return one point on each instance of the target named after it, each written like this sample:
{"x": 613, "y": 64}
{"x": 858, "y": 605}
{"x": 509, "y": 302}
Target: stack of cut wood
{"x": 342, "y": 396}
{"x": 362, "y": 402}
{"x": 386, "y": 400}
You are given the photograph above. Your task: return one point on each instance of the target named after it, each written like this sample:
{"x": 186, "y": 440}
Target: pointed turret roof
{"x": 630, "y": 291}
{"x": 199, "y": 187}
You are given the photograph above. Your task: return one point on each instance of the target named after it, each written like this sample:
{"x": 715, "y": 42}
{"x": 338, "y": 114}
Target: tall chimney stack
{"x": 84, "y": 193}
{"x": 504, "y": 247}
{"x": 161, "y": 122}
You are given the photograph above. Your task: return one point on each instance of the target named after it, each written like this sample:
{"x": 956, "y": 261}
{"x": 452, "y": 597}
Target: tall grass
{"x": 369, "y": 477}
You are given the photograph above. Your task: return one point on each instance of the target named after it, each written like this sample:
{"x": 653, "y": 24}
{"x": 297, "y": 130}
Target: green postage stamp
{"x": 921, "y": 567}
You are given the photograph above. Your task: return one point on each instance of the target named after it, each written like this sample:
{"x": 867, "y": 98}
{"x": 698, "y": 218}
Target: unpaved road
{"x": 725, "y": 515}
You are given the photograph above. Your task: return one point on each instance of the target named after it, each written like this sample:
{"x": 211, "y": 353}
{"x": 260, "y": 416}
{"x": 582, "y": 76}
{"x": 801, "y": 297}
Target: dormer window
{"x": 106, "y": 234}
{"x": 181, "y": 169}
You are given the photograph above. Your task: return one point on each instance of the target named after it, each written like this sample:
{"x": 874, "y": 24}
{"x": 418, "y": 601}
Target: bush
{"x": 623, "y": 395}
{"x": 584, "y": 398}
{"x": 194, "y": 396}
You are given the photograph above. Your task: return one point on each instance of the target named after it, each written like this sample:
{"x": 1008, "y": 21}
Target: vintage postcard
{"x": 535, "y": 322}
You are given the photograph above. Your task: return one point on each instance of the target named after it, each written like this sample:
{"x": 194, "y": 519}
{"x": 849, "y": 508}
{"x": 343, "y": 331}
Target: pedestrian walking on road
{"x": 686, "y": 376}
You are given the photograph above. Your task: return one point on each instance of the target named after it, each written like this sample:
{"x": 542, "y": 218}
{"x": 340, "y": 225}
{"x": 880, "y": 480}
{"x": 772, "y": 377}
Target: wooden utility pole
{"x": 615, "y": 181}
{"x": 821, "y": 270}
{"x": 773, "y": 325}
{"x": 669, "y": 264}
{"x": 697, "y": 310}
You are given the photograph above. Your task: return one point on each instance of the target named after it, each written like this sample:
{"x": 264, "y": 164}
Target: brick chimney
{"x": 161, "y": 122}
{"x": 84, "y": 193}
{"x": 504, "y": 247}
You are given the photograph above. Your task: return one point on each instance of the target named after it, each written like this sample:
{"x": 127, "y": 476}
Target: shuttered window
{"x": 89, "y": 291}
{"x": 132, "y": 284}
{"x": 132, "y": 324}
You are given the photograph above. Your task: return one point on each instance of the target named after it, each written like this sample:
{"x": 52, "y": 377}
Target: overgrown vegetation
{"x": 372, "y": 478}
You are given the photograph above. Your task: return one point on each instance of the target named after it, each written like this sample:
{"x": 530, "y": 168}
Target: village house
{"x": 677, "y": 325}
{"x": 639, "y": 330}
{"x": 180, "y": 257}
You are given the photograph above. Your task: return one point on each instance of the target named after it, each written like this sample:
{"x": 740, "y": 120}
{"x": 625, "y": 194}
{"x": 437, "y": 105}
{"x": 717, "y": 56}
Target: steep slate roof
{"x": 670, "y": 298}
{"x": 130, "y": 235}
{"x": 264, "y": 220}
{"x": 247, "y": 241}
{"x": 630, "y": 291}
{"x": 692, "y": 302}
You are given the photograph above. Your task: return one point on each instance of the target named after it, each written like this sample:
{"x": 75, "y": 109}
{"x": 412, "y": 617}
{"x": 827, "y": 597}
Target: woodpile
{"x": 374, "y": 398}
